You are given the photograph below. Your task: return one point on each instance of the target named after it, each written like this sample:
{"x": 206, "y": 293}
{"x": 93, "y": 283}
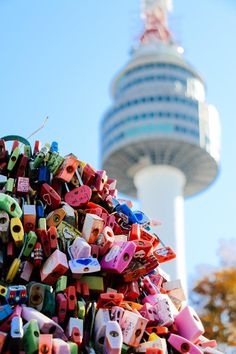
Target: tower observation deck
{"x": 160, "y": 138}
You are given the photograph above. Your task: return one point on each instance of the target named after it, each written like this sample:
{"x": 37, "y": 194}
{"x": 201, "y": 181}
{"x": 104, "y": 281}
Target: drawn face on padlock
{"x": 4, "y": 226}
{"x": 79, "y": 196}
{"x": 36, "y": 293}
{"x": 119, "y": 257}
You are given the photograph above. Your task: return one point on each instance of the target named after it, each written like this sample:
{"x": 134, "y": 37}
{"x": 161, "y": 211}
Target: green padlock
{"x": 9, "y": 186}
{"x": 41, "y": 155}
{"x": 13, "y": 158}
{"x": 31, "y": 337}
{"x": 61, "y": 284}
{"x": 73, "y": 347}
{"x": 10, "y": 205}
{"x": 30, "y": 243}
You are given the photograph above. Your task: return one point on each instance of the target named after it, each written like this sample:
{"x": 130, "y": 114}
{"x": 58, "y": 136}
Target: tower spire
{"x": 154, "y": 14}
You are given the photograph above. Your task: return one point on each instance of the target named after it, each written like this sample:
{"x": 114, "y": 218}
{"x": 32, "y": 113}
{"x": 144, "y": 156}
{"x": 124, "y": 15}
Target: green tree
{"x": 214, "y": 297}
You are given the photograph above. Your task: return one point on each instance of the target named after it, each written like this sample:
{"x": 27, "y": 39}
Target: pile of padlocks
{"x": 79, "y": 268}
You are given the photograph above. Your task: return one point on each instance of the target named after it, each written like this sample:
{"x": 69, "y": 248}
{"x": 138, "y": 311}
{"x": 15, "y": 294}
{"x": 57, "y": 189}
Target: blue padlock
{"x": 39, "y": 209}
{"x": 44, "y": 175}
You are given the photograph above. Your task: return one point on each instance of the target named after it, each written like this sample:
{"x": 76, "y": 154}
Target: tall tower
{"x": 160, "y": 138}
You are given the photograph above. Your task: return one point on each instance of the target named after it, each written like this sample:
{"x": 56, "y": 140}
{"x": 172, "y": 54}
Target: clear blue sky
{"x": 58, "y": 58}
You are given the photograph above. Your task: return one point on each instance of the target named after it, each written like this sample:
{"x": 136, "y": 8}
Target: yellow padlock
{"x": 153, "y": 336}
{"x": 13, "y": 270}
{"x": 17, "y": 231}
{"x": 3, "y": 290}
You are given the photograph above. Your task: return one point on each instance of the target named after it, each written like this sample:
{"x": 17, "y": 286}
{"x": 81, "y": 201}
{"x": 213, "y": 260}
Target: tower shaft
{"x": 160, "y": 191}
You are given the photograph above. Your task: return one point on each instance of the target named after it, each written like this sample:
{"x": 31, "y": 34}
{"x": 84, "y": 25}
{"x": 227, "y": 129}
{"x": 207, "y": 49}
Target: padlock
{"x": 130, "y": 290}
{"x": 108, "y": 300}
{"x": 92, "y": 227}
{"x": 133, "y": 327}
{"x": 30, "y": 243}
{"x": 22, "y": 165}
{"x": 81, "y": 266}
{"x": 38, "y": 254}
{"x": 99, "y": 180}
{"x": 31, "y": 336}
{"x": 61, "y": 283}
{"x": 37, "y": 147}
{"x": 164, "y": 254}
{"x": 36, "y": 292}
{"x": 23, "y": 185}
{"x": 17, "y": 231}
{"x": 80, "y": 309}
{"x": 55, "y": 217}
{"x": 41, "y": 155}
{"x": 16, "y": 294}
{"x": 119, "y": 257}
{"x": 43, "y": 237}
{"x": 113, "y": 338}
{"x": 52, "y": 236}
{"x": 80, "y": 248}
{"x": 159, "y": 344}
{"x": 88, "y": 174}
{"x": 13, "y": 158}
{"x": 67, "y": 168}
{"x": 94, "y": 282}
{"x": 55, "y": 266}
{"x": 189, "y": 324}
{"x": 101, "y": 319}
{"x": 149, "y": 286}
{"x": 5, "y": 311}
{"x": 79, "y": 196}
{"x": 10, "y": 205}
{"x": 16, "y": 328}
{"x": 74, "y": 323}
{"x": 9, "y": 186}
{"x": 4, "y": 226}
{"x": 44, "y": 175}
{"x": 49, "y": 196}
{"x": 6, "y": 324}
{"x": 183, "y": 345}
{"x": 59, "y": 346}
{"x": 3, "y": 150}
{"x": 70, "y": 294}
{"x": 106, "y": 241}
{"x": 61, "y": 302}
{"x": 26, "y": 270}
{"x": 143, "y": 248}
{"x": 67, "y": 231}
{"x": 49, "y": 304}
{"x": 29, "y": 217}
{"x": 3, "y": 336}
{"x": 45, "y": 344}
{"x": 46, "y": 325}
{"x": 73, "y": 347}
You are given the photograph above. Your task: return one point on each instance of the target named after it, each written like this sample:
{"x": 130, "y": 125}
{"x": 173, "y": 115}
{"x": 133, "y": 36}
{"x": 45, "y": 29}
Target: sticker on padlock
{"x": 113, "y": 338}
{"x": 55, "y": 266}
{"x": 84, "y": 265}
{"x": 45, "y": 344}
{"x": 183, "y": 345}
{"x": 55, "y": 217}
{"x": 4, "y": 226}
{"x": 92, "y": 227}
{"x": 119, "y": 257}
{"x": 79, "y": 196}
{"x": 133, "y": 327}
{"x": 23, "y": 185}
{"x": 10, "y": 205}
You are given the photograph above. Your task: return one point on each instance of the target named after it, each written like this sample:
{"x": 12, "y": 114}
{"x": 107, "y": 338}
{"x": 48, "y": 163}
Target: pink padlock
{"x": 119, "y": 257}
{"x": 117, "y": 313}
{"x": 183, "y": 345}
{"x": 133, "y": 326}
{"x": 55, "y": 266}
{"x": 149, "y": 286}
{"x": 80, "y": 248}
{"x": 147, "y": 311}
{"x": 106, "y": 241}
{"x": 189, "y": 324}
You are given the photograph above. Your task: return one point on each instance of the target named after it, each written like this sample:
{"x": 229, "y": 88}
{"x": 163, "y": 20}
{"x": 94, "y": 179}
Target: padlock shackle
{"x": 18, "y": 138}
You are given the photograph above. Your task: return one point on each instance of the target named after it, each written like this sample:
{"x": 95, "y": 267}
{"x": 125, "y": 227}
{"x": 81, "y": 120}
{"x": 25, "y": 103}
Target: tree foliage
{"x": 214, "y": 296}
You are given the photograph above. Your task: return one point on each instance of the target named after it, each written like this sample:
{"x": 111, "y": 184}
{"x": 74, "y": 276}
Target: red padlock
{"x": 50, "y": 196}
{"x": 79, "y": 196}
